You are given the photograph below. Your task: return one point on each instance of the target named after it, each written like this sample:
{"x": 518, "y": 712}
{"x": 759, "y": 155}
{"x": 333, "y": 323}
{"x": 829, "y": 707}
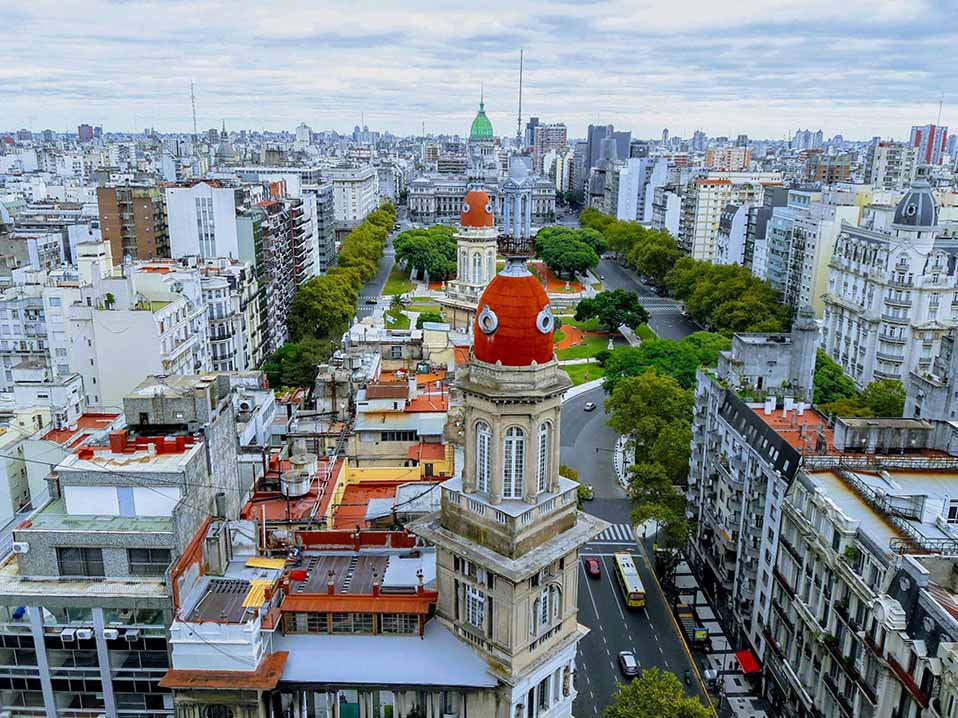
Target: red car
{"x": 593, "y": 568}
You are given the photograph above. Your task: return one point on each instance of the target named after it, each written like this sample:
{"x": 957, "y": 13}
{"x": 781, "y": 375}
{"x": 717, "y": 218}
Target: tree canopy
{"x": 431, "y": 251}
{"x": 563, "y": 251}
{"x": 295, "y": 363}
{"x": 677, "y": 359}
{"x": 881, "y": 398}
{"x": 831, "y": 382}
{"x": 428, "y": 317}
{"x": 655, "y": 694}
{"x": 613, "y": 309}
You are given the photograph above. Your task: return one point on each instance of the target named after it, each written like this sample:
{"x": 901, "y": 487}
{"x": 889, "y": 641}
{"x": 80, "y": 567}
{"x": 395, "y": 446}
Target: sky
{"x": 764, "y": 67}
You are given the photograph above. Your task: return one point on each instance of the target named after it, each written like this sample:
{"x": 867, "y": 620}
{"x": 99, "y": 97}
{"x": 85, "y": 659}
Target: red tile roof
{"x": 427, "y": 452}
{"x": 392, "y": 390}
{"x": 318, "y": 602}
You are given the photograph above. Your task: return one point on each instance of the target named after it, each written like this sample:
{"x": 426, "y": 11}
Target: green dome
{"x": 481, "y": 127}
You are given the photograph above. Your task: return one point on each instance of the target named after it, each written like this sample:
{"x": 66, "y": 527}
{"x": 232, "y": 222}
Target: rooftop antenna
{"x": 940, "y": 103}
{"x": 519, "y": 119}
{"x": 193, "y": 103}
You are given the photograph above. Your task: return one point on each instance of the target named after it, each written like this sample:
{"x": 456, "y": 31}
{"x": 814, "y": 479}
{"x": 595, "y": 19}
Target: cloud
{"x": 764, "y": 67}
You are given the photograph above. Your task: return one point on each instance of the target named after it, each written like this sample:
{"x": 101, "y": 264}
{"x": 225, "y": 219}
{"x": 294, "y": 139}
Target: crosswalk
{"x": 616, "y": 533}
{"x": 660, "y": 305}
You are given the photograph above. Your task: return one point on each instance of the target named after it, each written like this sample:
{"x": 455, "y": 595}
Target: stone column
{"x": 530, "y": 485}
{"x": 103, "y": 658}
{"x": 528, "y": 228}
{"x": 556, "y": 453}
{"x": 469, "y": 465}
{"x": 495, "y": 468}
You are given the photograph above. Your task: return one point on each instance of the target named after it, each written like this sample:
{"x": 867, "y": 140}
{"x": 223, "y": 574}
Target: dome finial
{"x": 482, "y": 96}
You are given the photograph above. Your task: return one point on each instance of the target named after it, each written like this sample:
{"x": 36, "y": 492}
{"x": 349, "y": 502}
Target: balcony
{"x": 904, "y": 677}
{"x": 896, "y": 358}
{"x": 784, "y": 583}
{"x": 892, "y": 338}
{"x": 898, "y": 302}
{"x": 893, "y": 319}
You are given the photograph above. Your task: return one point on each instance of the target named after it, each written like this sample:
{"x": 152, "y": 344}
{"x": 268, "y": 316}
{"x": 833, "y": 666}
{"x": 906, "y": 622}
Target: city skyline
{"x": 757, "y": 68}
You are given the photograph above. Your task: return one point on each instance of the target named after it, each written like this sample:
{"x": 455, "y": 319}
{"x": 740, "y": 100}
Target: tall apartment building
{"x": 266, "y": 228}
{"x": 704, "y": 200}
{"x": 202, "y": 220}
{"x": 929, "y": 142}
{"x": 638, "y": 180}
{"x": 828, "y": 169}
{"x": 728, "y": 159}
{"x": 86, "y": 602}
{"x": 667, "y": 209}
{"x": 739, "y": 470}
{"x": 732, "y": 231}
{"x": 133, "y": 220}
{"x": 355, "y": 193}
{"x": 890, "y": 165}
{"x": 799, "y": 243}
{"x": 546, "y": 138}
{"x": 890, "y": 293}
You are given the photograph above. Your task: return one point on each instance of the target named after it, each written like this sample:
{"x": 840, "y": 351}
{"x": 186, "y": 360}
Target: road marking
{"x": 616, "y": 533}
{"x": 678, "y": 630}
{"x": 611, "y": 543}
{"x": 588, "y": 584}
{"x": 614, "y": 591}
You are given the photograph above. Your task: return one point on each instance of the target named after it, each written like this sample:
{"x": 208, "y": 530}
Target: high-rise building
{"x": 741, "y": 141}
{"x": 355, "y": 193}
{"x": 638, "y": 179}
{"x": 930, "y": 142}
{"x": 699, "y": 141}
{"x": 202, "y": 220}
{"x": 828, "y": 169}
{"x": 133, "y": 220}
{"x": 890, "y": 293}
{"x": 528, "y": 137}
{"x": 596, "y": 135}
{"x": 704, "y": 200}
{"x": 728, "y": 159}
{"x": 890, "y": 165}
{"x": 546, "y": 138}
{"x": 665, "y": 136}
{"x": 85, "y": 133}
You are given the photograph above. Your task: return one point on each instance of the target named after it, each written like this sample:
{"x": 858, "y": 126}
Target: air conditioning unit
{"x": 68, "y": 634}
{"x": 132, "y": 634}
{"x": 111, "y": 634}
{"x": 246, "y": 404}
{"x": 20, "y": 547}
{"x": 84, "y": 634}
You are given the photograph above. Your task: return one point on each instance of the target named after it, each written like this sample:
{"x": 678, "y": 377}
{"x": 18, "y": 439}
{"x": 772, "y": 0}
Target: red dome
{"x": 476, "y": 210}
{"x": 514, "y": 323}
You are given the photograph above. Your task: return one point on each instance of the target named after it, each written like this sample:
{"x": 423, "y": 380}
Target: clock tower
{"x": 509, "y": 531}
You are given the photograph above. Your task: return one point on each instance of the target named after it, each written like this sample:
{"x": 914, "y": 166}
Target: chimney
{"x": 331, "y": 583}
{"x": 413, "y": 388}
{"x": 419, "y": 588}
{"x": 769, "y": 405}
{"x": 118, "y": 441}
{"x": 801, "y": 408}
{"x": 375, "y": 584}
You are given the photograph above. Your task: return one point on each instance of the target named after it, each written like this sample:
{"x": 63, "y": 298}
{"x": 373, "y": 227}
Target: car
{"x": 589, "y": 406}
{"x": 628, "y": 664}
{"x": 593, "y": 568}
{"x": 601, "y": 276}
{"x": 372, "y": 300}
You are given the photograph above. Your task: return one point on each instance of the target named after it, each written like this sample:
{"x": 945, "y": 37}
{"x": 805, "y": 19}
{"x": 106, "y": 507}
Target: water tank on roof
{"x": 294, "y": 483}
{"x": 305, "y": 462}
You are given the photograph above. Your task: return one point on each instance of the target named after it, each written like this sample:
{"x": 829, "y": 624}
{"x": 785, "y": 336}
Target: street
{"x": 373, "y": 289}
{"x": 649, "y": 633}
{"x": 665, "y": 315}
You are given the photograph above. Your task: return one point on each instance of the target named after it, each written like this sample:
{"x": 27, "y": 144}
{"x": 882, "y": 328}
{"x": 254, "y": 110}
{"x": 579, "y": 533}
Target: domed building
{"x": 892, "y": 284}
{"x": 482, "y": 146}
{"x": 508, "y": 533}
{"x": 476, "y": 249}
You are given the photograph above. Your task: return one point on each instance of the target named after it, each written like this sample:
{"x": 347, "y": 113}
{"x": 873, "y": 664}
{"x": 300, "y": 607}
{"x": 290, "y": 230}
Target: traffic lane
{"x": 615, "y": 628}
{"x": 588, "y": 444}
{"x": 672, "y": 325}
{"x": 668, "y": 325}
{"x": 374, "y": 287}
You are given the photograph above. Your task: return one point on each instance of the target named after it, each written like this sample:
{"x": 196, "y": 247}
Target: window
{"x": 399, "y": 623}
{"x": 475, "y": 606}
{"x": 513, "y": 463}
{"x": 545, "y": 446}
{"x": 217, "y": 712}
{"x": 352, "y": 623}
{"x": 80, "y": 561}
{"x": 952, "y": 516}
{"x": 148, "y": 561}
{"x": 397, "y": 436}
{"x": 483, "y": 445}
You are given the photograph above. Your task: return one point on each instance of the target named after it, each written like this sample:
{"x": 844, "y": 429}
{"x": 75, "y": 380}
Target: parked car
{"x": 372, "y": 300}
{"x": 589, "y": 406}
{"x": 593, "y": 568}
{"x": 628, "y": 664}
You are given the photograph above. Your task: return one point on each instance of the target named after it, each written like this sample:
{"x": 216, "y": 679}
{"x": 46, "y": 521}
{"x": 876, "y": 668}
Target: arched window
{"x": 544, "y": 449}
{"x": 483, "y": 458}
{"x": 490, "y": 266}
{"x": 477, "y": 268}
{"x": 218, "y": 711}
{"x": 463, "y": 266}
{"x": 545, "y": 609}
{"x": 513, "y": 463}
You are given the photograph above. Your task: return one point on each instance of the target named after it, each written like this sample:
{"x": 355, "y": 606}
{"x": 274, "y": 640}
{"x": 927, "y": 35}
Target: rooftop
{"x": 86, "y": 426}
{"x": 436, "y": 659}
{"x": 54, "y": 517}
{"x": 807, "y": 433}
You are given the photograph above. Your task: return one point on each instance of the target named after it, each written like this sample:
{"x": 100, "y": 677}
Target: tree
{"x": 885, "y": 397}
{"x": 655, "y": 694}
{"x": 323, "y": 307}
{"x": 831, "y": 382}
{"x": 613, "y": 309}
{"x": 655, "y": 498}
{"x": 671, "y": 450}
{"x": 564, "y": 253}
{"x": 429, "y": 317}
{"x": 295, "y": 363}
{"x": 431, "y": 251}
{"x": 679, "y": 360}
{"x": 642, "y": 406}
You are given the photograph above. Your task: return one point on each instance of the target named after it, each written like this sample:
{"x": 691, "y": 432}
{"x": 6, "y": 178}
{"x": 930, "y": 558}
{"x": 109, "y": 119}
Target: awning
{"x": 747, "y": 660}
